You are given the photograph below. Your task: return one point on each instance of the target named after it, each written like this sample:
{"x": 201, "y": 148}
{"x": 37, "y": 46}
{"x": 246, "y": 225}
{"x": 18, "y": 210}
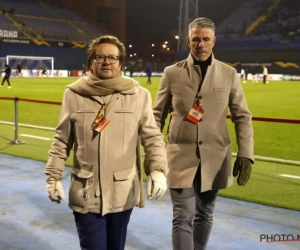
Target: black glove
{"x": 242, "y": 168}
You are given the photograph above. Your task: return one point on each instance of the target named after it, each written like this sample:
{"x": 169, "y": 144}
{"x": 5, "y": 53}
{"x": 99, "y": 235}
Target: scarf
{"x": 91, "y": 85}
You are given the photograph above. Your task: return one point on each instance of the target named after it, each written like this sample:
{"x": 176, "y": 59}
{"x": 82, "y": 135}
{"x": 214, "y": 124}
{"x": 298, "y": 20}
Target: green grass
{"x": 275, "y": 100}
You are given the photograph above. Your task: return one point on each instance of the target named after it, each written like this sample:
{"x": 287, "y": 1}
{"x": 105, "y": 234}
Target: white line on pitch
{"x": 290, "y": 176}
{"x": 36, "y": 137}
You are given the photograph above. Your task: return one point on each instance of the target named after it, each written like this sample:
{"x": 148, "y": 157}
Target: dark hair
{"x": 106, "y": 39}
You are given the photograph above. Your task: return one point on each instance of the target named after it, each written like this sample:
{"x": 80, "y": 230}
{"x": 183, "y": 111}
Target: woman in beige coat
{"x": 103, "y": 117}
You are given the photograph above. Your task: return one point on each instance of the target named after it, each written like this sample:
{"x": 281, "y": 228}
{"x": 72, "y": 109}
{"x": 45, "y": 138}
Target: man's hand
{"x": 156, "y": 185}
{"x": 242, "y": 168}
{"x": 53, "y": 188}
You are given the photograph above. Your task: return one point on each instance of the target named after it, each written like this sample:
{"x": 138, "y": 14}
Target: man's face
{"x": 105, "y": 65}
{"x": 201, "y": 40}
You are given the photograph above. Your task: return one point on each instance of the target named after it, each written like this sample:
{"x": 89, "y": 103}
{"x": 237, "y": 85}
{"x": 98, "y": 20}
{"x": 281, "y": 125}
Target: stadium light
{"x": 177, "y": 37}
{"x": 152, "y": 55}
{"x": 164, "y": 46}
{"x": 130, "y": 46}
{"x": 152, "y": 44}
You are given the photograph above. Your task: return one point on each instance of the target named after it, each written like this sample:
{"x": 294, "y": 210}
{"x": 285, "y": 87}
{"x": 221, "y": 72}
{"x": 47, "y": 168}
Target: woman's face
{"x": 106, "y": 64}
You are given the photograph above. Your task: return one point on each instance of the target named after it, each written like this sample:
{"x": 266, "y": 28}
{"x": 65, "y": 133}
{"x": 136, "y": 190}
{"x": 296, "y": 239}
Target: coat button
{"x": 201, "y": 119}
{"x": 200, "y": 142}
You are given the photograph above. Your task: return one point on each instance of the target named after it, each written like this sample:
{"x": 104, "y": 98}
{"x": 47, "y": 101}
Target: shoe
{"x": 9, "y": 87}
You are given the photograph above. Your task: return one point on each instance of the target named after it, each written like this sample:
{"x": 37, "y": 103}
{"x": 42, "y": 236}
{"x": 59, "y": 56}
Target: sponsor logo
{"x": 15, "y": 41}
{"x": 56, "y": 73}
{"x": 235, "y": 64}
{"x": 9, "y": 33}
{"x": 79, "y": 45}
{"x": 288, "y": 64}
{"x": 291, "y": 77}
{"x": 257, "y": 64}
{"x": 37, "y": 42}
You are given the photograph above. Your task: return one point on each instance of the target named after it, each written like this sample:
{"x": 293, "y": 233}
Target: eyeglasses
{"x": 102, "y": 58}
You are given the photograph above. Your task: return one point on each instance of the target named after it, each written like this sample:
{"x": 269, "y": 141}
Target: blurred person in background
{"x": 243, "y": 75}
{"x": 246, "y": 74}
{"x": 265, "y": 75}
{"x": 149, "y": 72}
{"x": 103, "y": 116}
{"x": 84, "y": 70}
{"x": 197, "y": 93}
{"x": 254, "y": 75}
{"x": 6, "y": 77}
{"x": 44, "y": 72}
{"x": 19, "y": 69}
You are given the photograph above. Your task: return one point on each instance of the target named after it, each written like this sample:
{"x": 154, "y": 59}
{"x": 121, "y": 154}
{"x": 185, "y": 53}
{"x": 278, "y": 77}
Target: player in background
{"x": 6, "y": 77}
{"x": 243, "y": 75}
{"x": 44, "y": 72}
{"x": 149, "y": 72}
{"x": 19, "y": 69}
{"x": 265, "y": 75}
{"x": 246, "y": 74}
{"x": 254, "y": 75}
{"x": 83, "y": 70}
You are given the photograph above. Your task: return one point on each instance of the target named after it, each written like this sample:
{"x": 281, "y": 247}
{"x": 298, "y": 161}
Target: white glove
{"x": 54, "y": 187}
{"x": 156, "y": 185}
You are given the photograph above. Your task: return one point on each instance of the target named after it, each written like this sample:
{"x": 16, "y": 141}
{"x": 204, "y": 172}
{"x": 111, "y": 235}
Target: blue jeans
{"x": 97, "y": 232}
{"x": 192, "y": 216}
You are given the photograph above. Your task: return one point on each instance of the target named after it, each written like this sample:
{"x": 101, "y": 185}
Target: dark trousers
{"x": 97, "y": 232}
{"x": 192, "y": 216}
{"x": 149, "y": 80}
{"x": 5, "y": 78}
{"x": 264, "y": 79}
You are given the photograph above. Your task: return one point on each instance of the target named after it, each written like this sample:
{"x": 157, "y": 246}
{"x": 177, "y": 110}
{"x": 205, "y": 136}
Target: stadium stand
{"x": 4, "y": 21}
{"x": 237, "y": 21}
{"x": 65, "y": 14}
{"x": 283, "y": 22}
{"x": 259, "y": 23}
{"x": 44, "y": 29}
{"x": 45, "y": 21}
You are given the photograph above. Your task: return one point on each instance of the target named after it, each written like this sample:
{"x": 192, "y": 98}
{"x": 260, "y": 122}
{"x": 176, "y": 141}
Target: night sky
{"x": 157, "y": 21}
{"x": 151, "y": 21}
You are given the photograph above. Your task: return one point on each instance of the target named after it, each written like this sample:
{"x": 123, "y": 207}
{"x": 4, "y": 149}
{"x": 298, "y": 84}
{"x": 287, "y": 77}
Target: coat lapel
{"x": 194, "y": 72}
{"x": 100, "y": 100}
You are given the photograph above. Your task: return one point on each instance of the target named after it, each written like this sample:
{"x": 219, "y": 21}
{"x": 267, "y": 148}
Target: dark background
{"x": 157, "y": 21}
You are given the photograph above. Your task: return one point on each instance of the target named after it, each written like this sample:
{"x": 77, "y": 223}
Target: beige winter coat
{"x": 208, "y": 141}
{"x": 107, "y": 174}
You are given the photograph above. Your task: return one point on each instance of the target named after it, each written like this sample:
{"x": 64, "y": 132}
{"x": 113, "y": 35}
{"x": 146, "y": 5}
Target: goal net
{"x": 31, "y": 63}
{"x": 2, "y": 62}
